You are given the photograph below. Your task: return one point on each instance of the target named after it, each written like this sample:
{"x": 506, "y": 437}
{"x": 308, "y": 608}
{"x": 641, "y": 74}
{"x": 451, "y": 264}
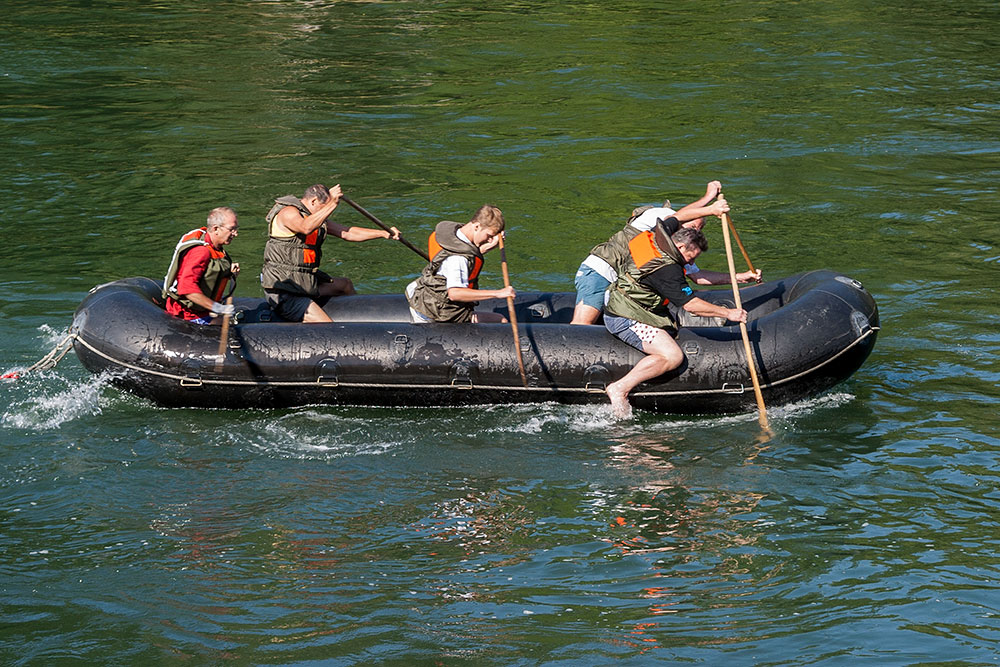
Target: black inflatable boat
{"x": 808, "y": 332}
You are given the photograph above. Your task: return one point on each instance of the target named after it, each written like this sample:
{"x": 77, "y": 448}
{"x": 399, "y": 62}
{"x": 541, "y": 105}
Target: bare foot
{"x": 619, "y": 401}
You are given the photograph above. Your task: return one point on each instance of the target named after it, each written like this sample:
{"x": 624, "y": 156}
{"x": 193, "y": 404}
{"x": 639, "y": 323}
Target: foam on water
{"x": 807, "y": 406}
{"x": 51, "y": 337}
{"x": 650, "y": 422}
{"x": 43, "y": 410}
{"x": 314, "y": 433}
{"x": 342, "y": 431}
{"x": 552, "y": 417}
{"x": 335, "y": 432}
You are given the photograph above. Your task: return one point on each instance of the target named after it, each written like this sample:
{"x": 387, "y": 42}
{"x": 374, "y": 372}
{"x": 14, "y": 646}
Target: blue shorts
{"x": 629, "y": 331}
{"x": 201, "y": 320}
{"x": 590, "y": 287}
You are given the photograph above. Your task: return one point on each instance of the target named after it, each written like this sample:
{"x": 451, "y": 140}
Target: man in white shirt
{"x": 598, "y": 270}
{"x": 448, "y": 289}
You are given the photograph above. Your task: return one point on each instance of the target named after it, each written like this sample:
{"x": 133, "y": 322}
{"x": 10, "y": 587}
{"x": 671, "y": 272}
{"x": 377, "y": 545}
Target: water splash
{"x": 553, "y": 418}
{"x": 51, "y": 336}
{"x": 331, "y": 432}
{"x": 315, "y": 433}
{"x": 44, "y": 410}
{"x": 776, "y": 414}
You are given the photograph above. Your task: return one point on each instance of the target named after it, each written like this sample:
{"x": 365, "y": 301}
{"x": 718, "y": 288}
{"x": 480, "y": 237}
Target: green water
{"x": 857, "y": 137}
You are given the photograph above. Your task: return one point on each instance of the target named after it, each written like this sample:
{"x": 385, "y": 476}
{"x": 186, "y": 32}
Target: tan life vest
{"x": 628, "y": 297}
{"x": 291, "y": 263}
{"x": 431, "y": 294}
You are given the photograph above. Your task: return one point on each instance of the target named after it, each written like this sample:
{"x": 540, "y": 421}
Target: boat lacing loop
{"x": 48, "y": 361}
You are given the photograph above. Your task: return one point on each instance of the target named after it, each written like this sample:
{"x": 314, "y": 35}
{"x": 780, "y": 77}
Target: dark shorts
{"x": 288, "y": 306}
{"x": 590, "y": 287}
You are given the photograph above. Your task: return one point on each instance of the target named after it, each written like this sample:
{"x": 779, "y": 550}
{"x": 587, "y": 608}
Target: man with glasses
{"x": 201, "y": 268}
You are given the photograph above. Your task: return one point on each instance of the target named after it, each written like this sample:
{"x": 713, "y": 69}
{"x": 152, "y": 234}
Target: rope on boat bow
{"x": 48, "y": 361}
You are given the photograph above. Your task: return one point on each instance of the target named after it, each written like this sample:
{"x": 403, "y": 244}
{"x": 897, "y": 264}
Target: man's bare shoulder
{"x": 288, "y": 216}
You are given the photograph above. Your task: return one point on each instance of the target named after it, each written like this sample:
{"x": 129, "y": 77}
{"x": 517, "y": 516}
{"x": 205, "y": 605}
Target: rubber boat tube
{"x": 808, "y": 332}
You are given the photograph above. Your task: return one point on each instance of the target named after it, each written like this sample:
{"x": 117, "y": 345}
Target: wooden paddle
{"x": 761, "y": 410}
{"x": 223, "y": 339}
{"x": 362, "y": 211}
{"x": 740, "y": 244}
{"x": 510, "y": 310}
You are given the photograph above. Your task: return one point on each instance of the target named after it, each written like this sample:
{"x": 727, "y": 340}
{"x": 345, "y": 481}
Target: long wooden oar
{"x": 761, "y": 410}
{"x": 740, "y": 244}
{"x": 510, "y": 310}
{"x": 362, "y": 211}
{"x": 223, "y": 338}
{"x": 729, "y": 223}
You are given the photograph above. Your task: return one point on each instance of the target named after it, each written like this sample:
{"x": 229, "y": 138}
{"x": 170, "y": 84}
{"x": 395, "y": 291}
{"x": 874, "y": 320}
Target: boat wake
{"x": 776, "y": 414}
{"x": 45, "y": 410}
{"x": 330, "y": 432}
{"x": 810, "y": 405}
{"x": 555, "y": 418}
{"x": 45, "y": 399}
{"x": 325, "y": 433}
{"x": 52, "y": 337}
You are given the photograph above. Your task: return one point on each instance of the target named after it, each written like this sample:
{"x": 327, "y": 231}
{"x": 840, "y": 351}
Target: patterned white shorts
{"x": 629, "y": 331}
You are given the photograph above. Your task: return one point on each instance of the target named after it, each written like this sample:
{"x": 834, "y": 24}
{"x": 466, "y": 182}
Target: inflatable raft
{"x": 808, "y": 332}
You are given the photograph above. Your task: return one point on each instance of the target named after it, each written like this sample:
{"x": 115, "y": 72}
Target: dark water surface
{"x": 853, "y": 136}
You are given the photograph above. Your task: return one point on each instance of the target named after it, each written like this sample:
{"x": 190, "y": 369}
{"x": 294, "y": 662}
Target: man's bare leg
{"x": 584, "y": 314}
{"x": 483, "y": 316}
{"x": 337, "y": 287}
{"x": 315, "y": 314}
{"x": 664, "y": 355}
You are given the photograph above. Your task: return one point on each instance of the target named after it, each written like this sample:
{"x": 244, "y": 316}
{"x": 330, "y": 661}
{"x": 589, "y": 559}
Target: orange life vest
{"x": 212, "y": 283}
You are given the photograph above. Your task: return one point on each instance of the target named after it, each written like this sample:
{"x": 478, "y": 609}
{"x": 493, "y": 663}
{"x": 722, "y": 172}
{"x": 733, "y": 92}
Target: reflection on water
{"x": 690, "y": 539}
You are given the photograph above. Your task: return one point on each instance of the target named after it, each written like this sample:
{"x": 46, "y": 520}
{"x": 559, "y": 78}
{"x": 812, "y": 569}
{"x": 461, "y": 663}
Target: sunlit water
{"x": 857, "y": 138}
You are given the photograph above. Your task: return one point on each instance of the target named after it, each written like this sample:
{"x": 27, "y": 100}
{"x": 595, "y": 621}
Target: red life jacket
{"x": 212, "y": 283}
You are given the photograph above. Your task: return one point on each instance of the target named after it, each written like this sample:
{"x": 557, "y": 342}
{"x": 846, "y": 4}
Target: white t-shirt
{"x": 647, "y": 220}
{"x": 455, "y": 269}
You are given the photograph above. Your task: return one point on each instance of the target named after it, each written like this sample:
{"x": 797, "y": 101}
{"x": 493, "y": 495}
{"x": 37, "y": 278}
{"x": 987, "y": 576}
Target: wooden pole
{"x": 510, "y": 310}
{"x": 740, "y": 244}
{"x": 223, "y": 338}
{"x": 362, "y": 211}
{"x": 761, "y": 410}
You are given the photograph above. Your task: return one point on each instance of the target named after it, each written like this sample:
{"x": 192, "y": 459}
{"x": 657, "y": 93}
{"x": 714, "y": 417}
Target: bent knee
{"x": 674, "y": 360}
{"x": 484, "y": 317}
{"x": 337, "y": 287}
{"x": 669, "y": 357}
{"x": 345, "y": 286}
